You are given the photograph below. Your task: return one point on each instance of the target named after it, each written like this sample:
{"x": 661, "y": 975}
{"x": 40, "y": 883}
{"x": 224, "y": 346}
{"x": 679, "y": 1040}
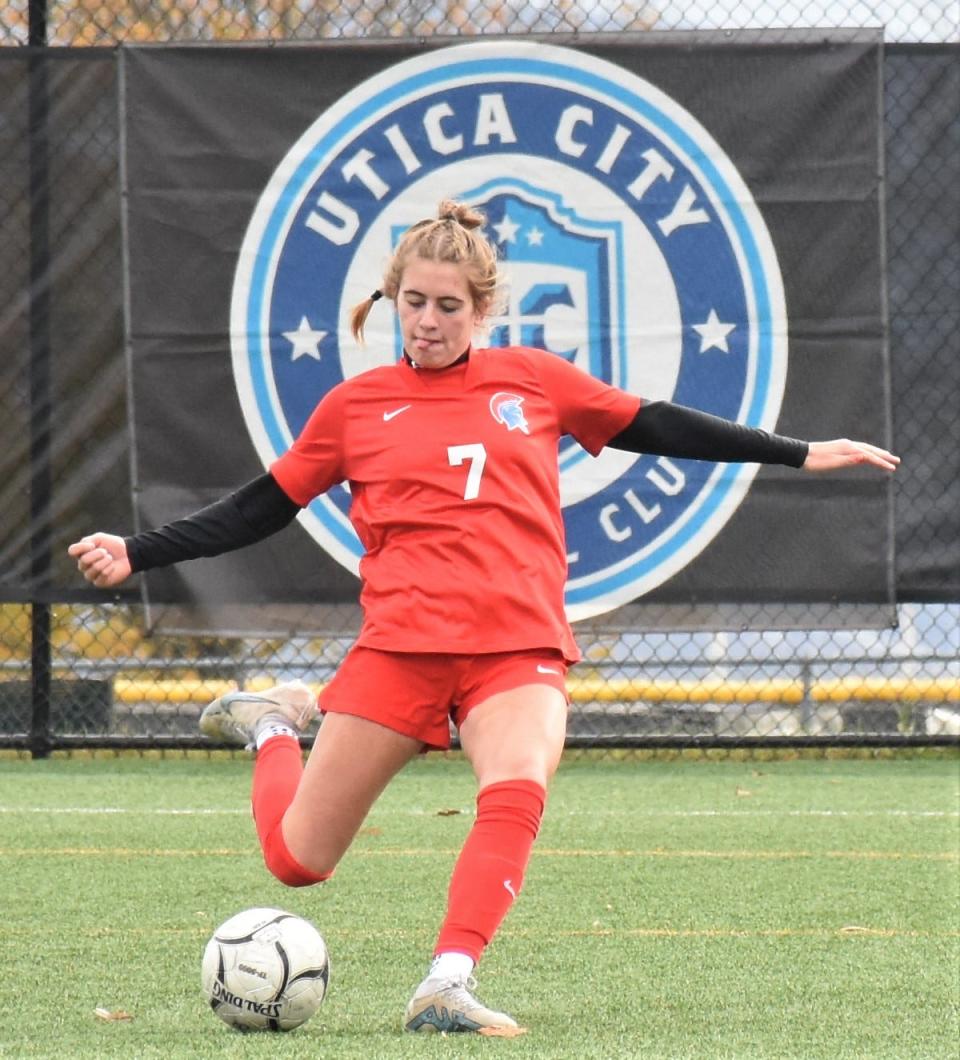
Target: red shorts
{"x": 420, "y": 694}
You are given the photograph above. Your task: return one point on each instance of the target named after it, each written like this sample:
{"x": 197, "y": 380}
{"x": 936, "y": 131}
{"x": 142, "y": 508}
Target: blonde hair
{"x": 455, "y": 236}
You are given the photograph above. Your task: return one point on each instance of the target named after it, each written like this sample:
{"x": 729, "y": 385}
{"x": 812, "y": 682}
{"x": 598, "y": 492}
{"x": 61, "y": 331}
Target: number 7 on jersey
{"x": 477, "y": 457}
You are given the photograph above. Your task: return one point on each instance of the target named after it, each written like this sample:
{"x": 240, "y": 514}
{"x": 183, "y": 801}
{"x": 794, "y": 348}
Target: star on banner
{"x": 713, "y": 333}
{"x": 506, "y": 230}
{"x": 305, "y": 340}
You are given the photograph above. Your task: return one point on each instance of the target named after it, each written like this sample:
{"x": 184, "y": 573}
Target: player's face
{"x": 437, "y": 316}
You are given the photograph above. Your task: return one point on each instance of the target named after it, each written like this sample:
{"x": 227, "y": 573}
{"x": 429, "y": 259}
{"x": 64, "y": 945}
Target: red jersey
{"x": 455, "y": 494}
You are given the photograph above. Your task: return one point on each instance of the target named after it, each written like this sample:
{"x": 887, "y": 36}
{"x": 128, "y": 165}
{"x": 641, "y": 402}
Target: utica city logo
{"x": 632, "y": 247}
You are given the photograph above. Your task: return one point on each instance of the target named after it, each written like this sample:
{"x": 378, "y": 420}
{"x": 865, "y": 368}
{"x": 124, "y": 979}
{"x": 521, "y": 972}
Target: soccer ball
{"x": 265, "y": 970}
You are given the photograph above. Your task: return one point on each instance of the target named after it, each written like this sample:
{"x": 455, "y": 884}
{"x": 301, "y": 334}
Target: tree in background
{"x": 106, "y": 22}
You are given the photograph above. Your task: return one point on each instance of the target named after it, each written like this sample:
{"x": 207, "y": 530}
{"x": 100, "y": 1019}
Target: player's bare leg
{"x": 514, "y": 741}
{"x": 517, "y": 734}
{"x": 351, "y": 762}
{"x": 306, "y": 818}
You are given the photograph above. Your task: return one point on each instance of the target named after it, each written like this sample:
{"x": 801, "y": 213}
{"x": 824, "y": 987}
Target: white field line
{"x": 202, "y": 931}
{"x": 103, "y": 811}
{"x": 543, "y": 852}
{"x": 158, "y": 811}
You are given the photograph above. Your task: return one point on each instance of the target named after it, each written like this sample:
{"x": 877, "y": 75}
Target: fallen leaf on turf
{"x": 372, "y": 830}
{"x": 743, "y": 793}
{"x": 113, "y": 1016}
{"x": 447, "y": 813}
{"x": 502, "y": 1032}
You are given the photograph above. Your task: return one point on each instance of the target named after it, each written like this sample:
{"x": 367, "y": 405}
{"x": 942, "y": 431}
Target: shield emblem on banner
{"x": 560, "y": 298}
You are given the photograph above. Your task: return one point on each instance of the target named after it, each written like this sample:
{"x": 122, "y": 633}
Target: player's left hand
{"x": 841, "y": 452}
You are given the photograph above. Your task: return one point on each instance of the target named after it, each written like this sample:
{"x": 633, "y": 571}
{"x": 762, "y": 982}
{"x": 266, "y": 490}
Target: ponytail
{"x": 360, "y": 312}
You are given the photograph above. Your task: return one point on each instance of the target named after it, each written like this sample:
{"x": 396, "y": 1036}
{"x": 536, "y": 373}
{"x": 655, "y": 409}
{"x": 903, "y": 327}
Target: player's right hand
{"x": 101, "y": 559}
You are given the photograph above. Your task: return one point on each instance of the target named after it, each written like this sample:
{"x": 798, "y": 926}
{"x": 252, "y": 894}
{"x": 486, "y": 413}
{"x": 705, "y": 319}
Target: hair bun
{"x": 451, "y": 210}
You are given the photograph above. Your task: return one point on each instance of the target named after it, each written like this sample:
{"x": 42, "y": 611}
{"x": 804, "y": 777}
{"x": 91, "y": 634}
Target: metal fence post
{"x": 40, "y": 379}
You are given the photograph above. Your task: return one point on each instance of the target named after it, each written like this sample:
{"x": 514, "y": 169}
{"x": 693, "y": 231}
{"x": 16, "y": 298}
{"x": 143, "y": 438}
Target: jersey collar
{"x": 462, "y": 359}
{"x": 458, "y": 375}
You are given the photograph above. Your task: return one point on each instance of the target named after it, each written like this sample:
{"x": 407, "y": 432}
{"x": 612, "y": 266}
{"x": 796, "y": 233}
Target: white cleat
{"x": 447, "y": 1006}
{"x": 233, "y": 717}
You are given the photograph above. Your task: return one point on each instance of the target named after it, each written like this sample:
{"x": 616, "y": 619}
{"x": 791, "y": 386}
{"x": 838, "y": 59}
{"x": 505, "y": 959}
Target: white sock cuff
{"x": 271, "y": 729}
{"x": 451, "y": 965}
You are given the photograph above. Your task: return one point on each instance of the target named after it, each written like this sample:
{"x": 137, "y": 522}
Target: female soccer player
{"x": 451, "y": 457}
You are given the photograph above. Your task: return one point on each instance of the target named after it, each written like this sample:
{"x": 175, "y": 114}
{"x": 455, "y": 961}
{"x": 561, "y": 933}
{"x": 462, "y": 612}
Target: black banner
{"x": 743, "y": 179}
{"x": 64, "y": 440}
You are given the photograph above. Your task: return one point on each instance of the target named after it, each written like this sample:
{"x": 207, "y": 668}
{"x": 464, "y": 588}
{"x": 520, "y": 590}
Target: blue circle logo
{"x": 631, "y": 247}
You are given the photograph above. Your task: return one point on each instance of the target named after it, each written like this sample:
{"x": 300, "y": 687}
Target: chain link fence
{"x": 108, "y": 22}
{"x": 89, "y": 672}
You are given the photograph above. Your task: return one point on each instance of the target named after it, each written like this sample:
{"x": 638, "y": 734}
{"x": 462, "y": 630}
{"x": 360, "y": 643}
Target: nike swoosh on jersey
{"x": 546, "y": 670}
{"x": 387, "y": 416}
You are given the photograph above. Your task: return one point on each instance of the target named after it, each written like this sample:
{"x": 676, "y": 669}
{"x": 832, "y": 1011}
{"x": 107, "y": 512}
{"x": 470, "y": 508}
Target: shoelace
{"x": 460, "y": 991}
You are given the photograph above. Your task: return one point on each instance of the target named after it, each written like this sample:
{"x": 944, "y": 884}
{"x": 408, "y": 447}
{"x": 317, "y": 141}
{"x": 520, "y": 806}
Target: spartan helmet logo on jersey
{"x": 631, "y": 248}
{"x": 506, "y": 409}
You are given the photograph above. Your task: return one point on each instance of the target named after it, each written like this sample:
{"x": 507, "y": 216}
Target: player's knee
{"x": 285, "y": 867}
{"x": 297, "y": 876}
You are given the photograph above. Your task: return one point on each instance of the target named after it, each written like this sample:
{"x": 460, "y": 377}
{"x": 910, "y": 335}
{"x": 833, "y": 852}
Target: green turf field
{"x": 786, "y": 908}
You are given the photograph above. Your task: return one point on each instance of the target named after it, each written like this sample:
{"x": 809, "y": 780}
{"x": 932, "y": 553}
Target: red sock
{"x": 490, "y": 870}
{"x": 276, "y": 774}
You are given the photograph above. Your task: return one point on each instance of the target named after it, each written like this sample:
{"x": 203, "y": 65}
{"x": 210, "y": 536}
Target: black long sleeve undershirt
{"x": 661, "y": 428}
{"x": 249, "y": 514}
{"x": 261, "y": 508}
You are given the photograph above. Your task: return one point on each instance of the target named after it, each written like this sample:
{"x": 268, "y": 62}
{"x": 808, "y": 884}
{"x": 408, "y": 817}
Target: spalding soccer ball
{"x": 265, "y": 970}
